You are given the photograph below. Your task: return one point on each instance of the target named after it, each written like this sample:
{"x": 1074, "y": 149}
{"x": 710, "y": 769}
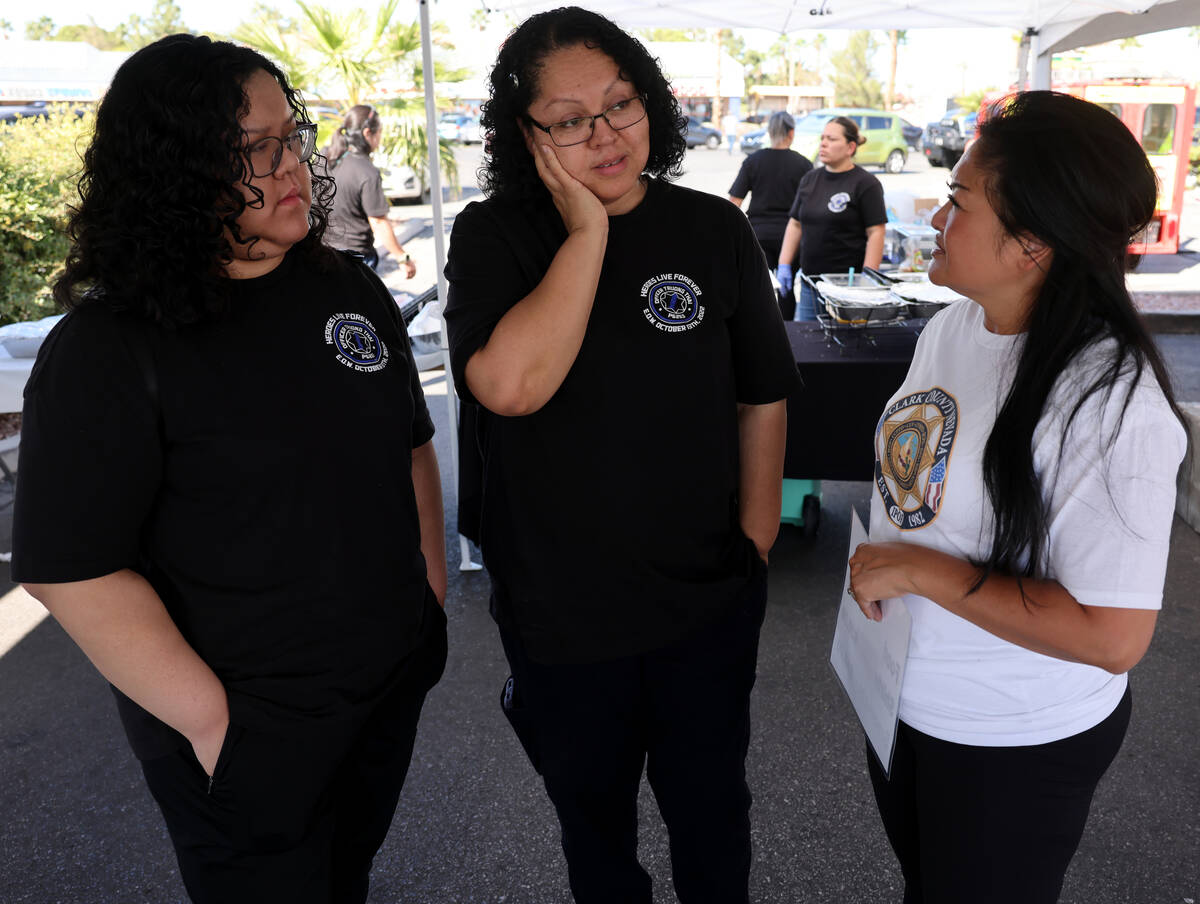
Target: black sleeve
{"x": 741, "y": 184}
{"x": 874, "y": 211}
{"x": 422, "y": 426}
{"x": 763, "y": 365}
{"x": 91, "y": 451}
{"x": 485, "y": 279}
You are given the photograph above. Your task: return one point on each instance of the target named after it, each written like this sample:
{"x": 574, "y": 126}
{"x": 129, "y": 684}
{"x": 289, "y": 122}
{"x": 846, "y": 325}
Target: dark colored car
{"x": 754, "y": 141}
{"x": 912, "y": 134}
{"x": 698, "y": 133}
{"x": 11, "y": 112}
{"x": 943, "y": 142}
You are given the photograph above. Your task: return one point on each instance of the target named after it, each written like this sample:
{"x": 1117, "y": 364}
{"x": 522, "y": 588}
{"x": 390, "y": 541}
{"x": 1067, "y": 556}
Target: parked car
{"x": 460, "y": 127}
{"x": 943, "y": 142}
{"x": 754, "y": 141}
{"x": 11, "y": 112}
{"x": 886, "y": 145}
{"x": 912, "y": 134}
{"x": 35, "y": 109}
{"x": 400, "y": 183}
{"x": 698, "y": 133}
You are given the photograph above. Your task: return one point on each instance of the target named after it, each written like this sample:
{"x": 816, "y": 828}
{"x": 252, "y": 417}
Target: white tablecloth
{"x": 13, "y": 374}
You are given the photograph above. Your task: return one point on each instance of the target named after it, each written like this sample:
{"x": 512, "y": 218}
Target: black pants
{"x": 297, "y": 814}
{"x": 682, "y": 712}
{"x": 991, "y": 825}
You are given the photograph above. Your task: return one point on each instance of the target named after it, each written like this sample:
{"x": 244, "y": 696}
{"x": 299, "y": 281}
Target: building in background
{"x": 708, "y": 81}
{"x": 67, "y": 71}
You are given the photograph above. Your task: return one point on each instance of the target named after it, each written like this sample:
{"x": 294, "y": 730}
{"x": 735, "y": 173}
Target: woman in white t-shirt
{"x": 1024, "y": 492}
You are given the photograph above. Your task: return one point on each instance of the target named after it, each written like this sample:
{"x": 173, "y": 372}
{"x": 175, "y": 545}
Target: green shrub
{"x": 39, "y": 165}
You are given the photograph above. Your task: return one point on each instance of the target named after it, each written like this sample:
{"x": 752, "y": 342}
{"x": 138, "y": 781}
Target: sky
{"x": 933, "y": 63}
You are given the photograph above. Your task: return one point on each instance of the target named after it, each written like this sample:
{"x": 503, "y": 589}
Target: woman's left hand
{"x": 880, "y": 571}
{"x": 410, "y": 267}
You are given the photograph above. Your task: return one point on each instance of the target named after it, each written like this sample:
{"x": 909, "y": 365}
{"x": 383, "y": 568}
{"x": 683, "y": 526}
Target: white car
{"x": 400, "y": 183}
{"x": 460, "y": 127}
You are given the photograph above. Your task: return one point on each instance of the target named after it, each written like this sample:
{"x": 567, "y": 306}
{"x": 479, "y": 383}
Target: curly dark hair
{"x": 509, "y": 169}
{"x": 159, "y": 192}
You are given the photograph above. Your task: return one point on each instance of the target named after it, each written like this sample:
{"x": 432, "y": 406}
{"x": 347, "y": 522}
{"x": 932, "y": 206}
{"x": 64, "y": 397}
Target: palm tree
{"x": 896, "y": 37}
{"x": 356, "y": 56}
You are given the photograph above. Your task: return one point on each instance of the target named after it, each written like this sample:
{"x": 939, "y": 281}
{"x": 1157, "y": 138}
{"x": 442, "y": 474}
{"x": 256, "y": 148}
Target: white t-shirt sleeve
{"x": 1111, "y": 497}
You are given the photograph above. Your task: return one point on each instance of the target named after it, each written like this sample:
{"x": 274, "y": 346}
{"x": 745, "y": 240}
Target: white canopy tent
{"x": 1048, "y": 25}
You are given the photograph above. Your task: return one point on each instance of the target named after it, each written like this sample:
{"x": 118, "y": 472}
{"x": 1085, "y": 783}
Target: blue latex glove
{"x": 785, "y": 277}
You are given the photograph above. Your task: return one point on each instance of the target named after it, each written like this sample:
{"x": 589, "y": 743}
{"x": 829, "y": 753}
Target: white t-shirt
{"x": 1110, "y": 502}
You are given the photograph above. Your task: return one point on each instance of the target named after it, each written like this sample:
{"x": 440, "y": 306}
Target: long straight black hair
{"x": 1071, "y": 175}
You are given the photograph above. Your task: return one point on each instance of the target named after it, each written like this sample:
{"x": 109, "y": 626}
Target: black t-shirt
{"x": 610, "y": 520}
{"x": 834, "y": 210}
{"x": 359, "y": 195}
{"x": 770, "y": 176}
{"x": 256, "y": 469}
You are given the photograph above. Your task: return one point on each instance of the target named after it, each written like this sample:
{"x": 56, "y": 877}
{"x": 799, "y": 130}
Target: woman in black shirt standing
{"x": 838, "y": 218}
{"x": 622, "y": 338}
{"x": 771, "y": 176}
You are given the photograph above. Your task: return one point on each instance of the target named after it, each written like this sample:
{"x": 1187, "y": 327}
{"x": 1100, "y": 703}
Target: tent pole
{"x": 1041, "y": 63}
{"x": 439, "y": 251}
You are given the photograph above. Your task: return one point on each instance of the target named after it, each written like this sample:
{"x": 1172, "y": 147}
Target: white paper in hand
{"x": 868, "y": 658}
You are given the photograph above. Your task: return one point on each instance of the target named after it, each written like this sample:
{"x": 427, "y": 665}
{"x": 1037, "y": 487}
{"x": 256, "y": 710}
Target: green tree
{"x": 100, "y": 38}
{"x": 39, "y": 165}
{"x": 854, "y": 85}
{"x": 166, "y": 18}
{"x": 674, "y": 34}
{"x": 40, "y": 29}
{"x": 972, "y": 100}
{"x": 6, "y": 25}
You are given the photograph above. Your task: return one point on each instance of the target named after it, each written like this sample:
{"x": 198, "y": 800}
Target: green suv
{"x": 885, "y": 145}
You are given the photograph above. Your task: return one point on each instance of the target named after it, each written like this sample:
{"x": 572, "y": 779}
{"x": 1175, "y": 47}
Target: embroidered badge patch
{"x": 672, "y": 303}
{"x": 913, "y": 442}
{"x": 838, "y": 202}
{"x": 356, "y": 343}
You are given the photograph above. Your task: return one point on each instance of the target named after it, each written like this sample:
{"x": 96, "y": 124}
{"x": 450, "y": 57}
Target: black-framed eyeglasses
{"x": 621, "y": 115}
{"x": 266, "y": 153}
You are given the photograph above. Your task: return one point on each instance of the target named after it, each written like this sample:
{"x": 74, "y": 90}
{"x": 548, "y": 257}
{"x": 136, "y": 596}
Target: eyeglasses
{"x": 621, "y": 115}
{"x": 266, "y": 153}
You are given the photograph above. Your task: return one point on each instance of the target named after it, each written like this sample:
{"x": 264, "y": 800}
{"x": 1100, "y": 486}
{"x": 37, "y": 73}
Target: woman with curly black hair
{"x": 270, "y": 642}
{"x": 622, "y": 337}
{"x": 1025, "y": 489}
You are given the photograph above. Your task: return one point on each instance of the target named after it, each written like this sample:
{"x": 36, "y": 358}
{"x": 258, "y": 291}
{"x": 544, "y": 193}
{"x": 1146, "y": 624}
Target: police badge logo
{"x": 672, "y": 303}
{"x": 913, "y": 442}
{"x": 839, "y": 202}
{"x": 356, "y": 343}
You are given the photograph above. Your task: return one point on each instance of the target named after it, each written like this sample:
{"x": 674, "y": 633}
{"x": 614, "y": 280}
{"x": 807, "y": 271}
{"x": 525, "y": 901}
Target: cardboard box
{"x": 924, "y": 209}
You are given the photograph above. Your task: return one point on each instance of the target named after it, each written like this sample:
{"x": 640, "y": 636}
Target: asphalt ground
{"x": 78, "y": 827}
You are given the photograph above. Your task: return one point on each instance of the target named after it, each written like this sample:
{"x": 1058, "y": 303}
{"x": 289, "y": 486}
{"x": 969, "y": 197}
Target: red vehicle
{"x": 1160, "y": 114}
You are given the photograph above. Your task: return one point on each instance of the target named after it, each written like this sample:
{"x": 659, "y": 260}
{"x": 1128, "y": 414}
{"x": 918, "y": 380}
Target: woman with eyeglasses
{"x": 261, "y": 590}
{"x": 622, "y": 337}
{"x": 359, "y": 218}
{"x": 1024, "y": 493}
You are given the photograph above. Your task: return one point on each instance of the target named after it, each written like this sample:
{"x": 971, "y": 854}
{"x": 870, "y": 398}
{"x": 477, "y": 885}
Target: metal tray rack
{"x": 889, "y": 315}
